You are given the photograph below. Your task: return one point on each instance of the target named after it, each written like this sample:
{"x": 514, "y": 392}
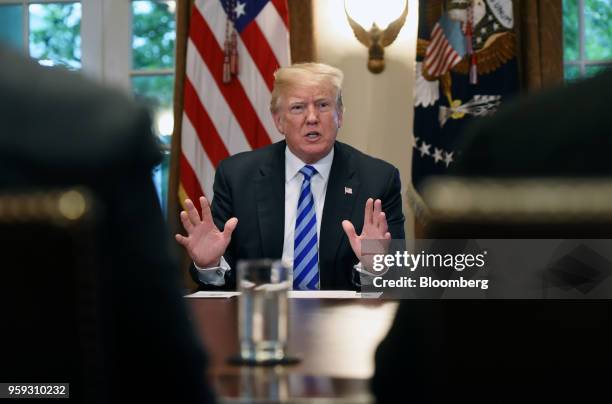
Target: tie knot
{"x": 308, "y": 171}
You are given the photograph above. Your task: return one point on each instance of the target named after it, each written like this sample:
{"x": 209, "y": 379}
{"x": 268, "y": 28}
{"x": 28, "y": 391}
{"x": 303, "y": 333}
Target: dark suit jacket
{"x": 251, "y": 187}
{"x": 59, "y": 130}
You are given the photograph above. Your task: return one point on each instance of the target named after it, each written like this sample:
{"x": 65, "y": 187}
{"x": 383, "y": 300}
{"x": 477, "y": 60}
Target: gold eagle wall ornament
{"x": 377, "y": 39}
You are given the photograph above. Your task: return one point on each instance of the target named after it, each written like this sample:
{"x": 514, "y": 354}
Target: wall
{"x": 379, "y": 107}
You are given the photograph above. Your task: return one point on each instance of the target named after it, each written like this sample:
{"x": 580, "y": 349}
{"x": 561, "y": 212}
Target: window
{"x": 49, "y": 31}
{"x": 152, "y": 73}
{"x": 587, "y": 38}
{"x": 121, "y": 43}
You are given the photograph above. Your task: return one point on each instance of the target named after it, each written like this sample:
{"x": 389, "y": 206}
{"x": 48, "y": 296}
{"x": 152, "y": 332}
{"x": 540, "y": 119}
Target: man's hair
{"x": 309, "y": 75}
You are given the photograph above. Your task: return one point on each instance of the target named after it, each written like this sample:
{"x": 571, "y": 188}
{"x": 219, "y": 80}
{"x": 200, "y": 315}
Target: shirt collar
{"x": 293, "y": 165}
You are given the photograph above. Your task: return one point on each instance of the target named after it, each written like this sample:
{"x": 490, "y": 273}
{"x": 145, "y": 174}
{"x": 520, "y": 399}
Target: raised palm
{"x": 374, "y": 228}
{"x": 204, "y": 243}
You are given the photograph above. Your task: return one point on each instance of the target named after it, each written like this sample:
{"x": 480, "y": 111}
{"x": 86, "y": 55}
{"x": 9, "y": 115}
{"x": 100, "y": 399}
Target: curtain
{"x": 539, "y": 26}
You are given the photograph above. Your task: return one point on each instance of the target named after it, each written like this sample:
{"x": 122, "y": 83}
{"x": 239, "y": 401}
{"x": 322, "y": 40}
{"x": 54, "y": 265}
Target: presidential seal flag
{"x": 466, "y": 67}
{"x": 234, "y": 48}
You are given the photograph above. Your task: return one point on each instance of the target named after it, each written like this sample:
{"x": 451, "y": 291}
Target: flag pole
{"x": 183, "y": 12}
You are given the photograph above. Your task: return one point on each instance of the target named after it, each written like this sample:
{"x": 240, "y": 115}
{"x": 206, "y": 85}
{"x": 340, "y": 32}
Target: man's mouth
{"x": 313, "y": 135}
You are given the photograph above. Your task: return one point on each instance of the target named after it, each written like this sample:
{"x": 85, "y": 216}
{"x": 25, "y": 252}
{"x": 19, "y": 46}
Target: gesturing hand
{"x": 204, "y": 243}
{"x": 374, "y": 227}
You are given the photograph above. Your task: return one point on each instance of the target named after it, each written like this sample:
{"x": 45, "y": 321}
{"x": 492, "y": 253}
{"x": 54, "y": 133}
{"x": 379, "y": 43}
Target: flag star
{"x": 449, "y": 158}
{"x": 495, "y": 26}
{"x": 490, "y": 17}
{"x": 424, "y": 149}
{"x": 483, "y": 30}
{"x": 438, "y": 155}
{"x": 415, "y": 141}
{"x": 239, "y": 9}
{"x": 479, "y": 40}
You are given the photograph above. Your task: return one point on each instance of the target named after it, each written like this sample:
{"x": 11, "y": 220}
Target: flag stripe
{"x": 221, "y": 119}
{"x": 273, "y": 29}
{"x": 440, "y": 56}
{"x": 445, "y": 59}
{"x": 233, "y": 92}
{"x": 250, "y": 76}
{"x": 283, "y": 12}
{"x": 436, "y": 40}
{"x": 260, "y": 51}
{"x": 437, "y": 36}
{"x": 204, "y": 127}
{"x": 190, "y": 182}
{"x": 433, "y": 51}
{"x": 198, "y": 160}
{"x": 212, "y": 101}
{"x": 434, "y": 61}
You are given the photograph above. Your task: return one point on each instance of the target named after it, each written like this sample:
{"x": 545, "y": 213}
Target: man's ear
{"x": 276, "y": 116}
{"x": 340, "y": 117}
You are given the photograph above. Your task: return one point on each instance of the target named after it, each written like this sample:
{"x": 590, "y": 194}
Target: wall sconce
{"x": 362, "y": 13}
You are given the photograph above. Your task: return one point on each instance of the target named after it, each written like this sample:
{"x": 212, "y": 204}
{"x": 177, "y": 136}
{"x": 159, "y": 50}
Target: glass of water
{"x": 263, "y": 310}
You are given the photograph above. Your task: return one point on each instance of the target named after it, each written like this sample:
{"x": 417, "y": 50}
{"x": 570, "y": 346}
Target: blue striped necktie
{"x": 305, "y": 251}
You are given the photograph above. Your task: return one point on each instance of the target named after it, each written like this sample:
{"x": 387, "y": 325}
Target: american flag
{"x": 221, "y": 119}
{"x": 446, "y": 47}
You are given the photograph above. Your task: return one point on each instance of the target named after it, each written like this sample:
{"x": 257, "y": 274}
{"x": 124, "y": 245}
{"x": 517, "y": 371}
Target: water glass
{"x": 263, "y": 310}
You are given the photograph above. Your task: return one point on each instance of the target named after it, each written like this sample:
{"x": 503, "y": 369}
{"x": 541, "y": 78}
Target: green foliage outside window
{"x": 154, "y": 35}
{"x": 55, "y": 34}
{"x": 570, "y": 30}
{"x": 153, "y": 42}
{"x": 597, "y": 19}
{"x": 597, "y": 37}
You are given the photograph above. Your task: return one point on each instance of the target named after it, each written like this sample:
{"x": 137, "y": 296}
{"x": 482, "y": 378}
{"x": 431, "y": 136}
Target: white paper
{"x": 323, "y": 294}
{"x": 293, "y": 294}
{"x": 218, "y": 295}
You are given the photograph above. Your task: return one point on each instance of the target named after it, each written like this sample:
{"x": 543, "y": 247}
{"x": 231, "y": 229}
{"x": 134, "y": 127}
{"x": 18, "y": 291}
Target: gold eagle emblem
{"x": 377, "y": 39}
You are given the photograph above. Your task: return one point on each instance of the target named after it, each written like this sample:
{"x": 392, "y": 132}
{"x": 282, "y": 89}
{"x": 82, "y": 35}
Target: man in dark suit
{"x": 59, "y": 130}
{"x": 513, "y": 350}
{"x": 261, "y": 197}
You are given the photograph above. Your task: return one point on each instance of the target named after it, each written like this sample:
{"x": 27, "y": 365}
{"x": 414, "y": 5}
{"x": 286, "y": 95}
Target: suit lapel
{"x": 342, "y": 190}
{"x": 270, "y": 199}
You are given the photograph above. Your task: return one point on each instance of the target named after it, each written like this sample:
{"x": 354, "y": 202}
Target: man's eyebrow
{"x": 297, "y": 102}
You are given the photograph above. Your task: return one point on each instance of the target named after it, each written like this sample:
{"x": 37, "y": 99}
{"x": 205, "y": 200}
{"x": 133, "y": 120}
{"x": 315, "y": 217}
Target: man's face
{"x": 309, "y": 119}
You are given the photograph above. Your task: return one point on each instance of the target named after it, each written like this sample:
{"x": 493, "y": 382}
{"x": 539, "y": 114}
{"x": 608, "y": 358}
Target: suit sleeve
{"x": 222, "y": 211}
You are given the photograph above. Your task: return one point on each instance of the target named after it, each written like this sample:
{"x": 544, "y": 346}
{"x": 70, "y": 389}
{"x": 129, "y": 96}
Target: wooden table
{"x": 335, "y": 338}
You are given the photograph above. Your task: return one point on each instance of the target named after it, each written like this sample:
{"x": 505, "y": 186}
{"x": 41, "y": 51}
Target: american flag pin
{"x": 348, "y": 190}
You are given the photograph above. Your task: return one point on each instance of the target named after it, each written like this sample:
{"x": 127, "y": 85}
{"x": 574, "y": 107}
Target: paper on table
{"x": 323, "y": 294}
{"x": 294, "y": 294}
{"x": 205, "y": 294}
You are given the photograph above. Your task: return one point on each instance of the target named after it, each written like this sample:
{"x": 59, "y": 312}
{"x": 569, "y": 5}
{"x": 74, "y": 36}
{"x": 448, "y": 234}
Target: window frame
{"x": 106, "y": 53}
{"x": 145, "y": 72}
{"x": 582, "y": 62}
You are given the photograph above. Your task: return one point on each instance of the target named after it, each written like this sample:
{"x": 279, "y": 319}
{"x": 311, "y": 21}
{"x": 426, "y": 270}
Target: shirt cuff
{"x": 364, "y": 276}
{"x": 213, "y": 275}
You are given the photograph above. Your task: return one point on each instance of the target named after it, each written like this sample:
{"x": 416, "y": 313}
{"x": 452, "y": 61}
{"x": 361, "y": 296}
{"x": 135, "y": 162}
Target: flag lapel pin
{"x": 348, "y": 190}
